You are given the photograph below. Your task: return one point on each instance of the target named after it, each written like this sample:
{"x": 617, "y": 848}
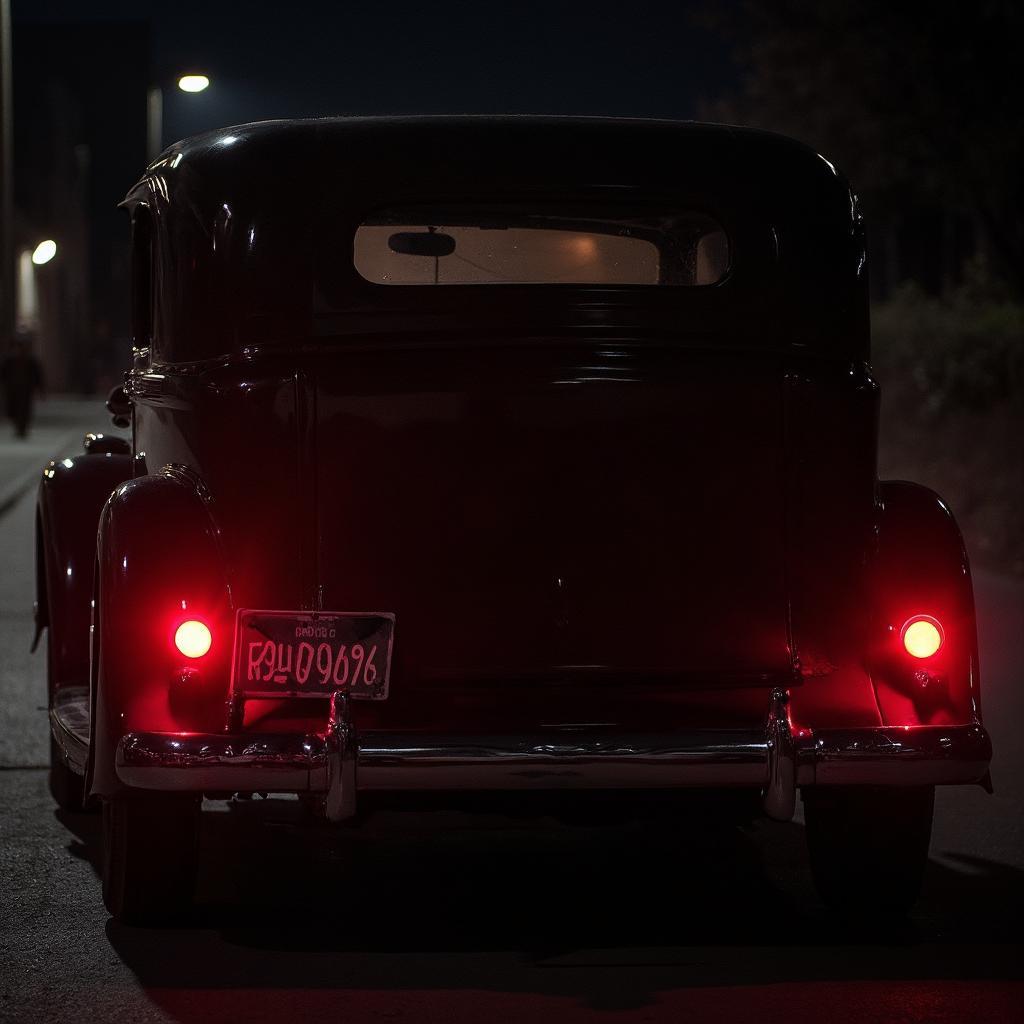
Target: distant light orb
{"x": 44, "y": 252}
{"x": 584, "y": 246}
{"x": 193, "y": 83}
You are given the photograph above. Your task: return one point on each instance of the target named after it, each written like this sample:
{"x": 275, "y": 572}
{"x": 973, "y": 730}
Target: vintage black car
{"x": 504, "y": 455}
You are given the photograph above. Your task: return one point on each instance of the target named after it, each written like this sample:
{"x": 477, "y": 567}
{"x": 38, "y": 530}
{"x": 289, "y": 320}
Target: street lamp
{"x": 44, "y": 252}
{"x": 193, "y": 83}
{"x": 155, "y": 110}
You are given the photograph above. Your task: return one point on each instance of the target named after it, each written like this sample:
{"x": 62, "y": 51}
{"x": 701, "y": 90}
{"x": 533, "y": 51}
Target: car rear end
{"x": 552, "y": 486}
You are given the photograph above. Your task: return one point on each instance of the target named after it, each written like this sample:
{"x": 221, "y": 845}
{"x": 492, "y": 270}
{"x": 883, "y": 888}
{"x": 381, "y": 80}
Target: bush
{"x": 957, "y": 353}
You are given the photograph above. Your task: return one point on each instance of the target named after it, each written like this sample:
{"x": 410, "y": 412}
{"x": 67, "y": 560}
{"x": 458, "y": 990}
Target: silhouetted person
{"x": 21, "y": 377}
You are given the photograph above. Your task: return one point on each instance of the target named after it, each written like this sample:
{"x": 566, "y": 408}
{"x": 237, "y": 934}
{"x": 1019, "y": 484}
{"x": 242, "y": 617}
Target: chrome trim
{"x": 909, "y": 756}
{"x": 340, "y": 801}
{"x": 267, "y": 763}
{"x": 338, "y": 763}
{"x": 780, "y": 790}
{"x": 572, "y": 760}
{"x": 95, "y": 443}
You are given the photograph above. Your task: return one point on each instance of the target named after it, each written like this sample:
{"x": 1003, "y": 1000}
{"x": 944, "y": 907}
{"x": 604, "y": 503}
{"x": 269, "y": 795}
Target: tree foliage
{"x": 921, "y": 104}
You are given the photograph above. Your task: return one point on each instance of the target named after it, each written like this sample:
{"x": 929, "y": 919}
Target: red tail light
{"x": 922, "y": 636}
{"x": 193, "y": 638}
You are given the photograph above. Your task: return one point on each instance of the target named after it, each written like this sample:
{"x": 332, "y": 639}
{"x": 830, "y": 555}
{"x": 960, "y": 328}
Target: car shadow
{"x": 611, "y": 915}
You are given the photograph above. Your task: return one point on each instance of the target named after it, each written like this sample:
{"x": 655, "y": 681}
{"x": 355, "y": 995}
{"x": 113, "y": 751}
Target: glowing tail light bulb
{"x": 922, "y": 636}
{"x": 193, "y": 638}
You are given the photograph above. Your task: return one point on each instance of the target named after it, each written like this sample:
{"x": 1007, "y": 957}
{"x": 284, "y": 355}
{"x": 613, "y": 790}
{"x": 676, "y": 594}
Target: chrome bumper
{"x": 337, "y": 764}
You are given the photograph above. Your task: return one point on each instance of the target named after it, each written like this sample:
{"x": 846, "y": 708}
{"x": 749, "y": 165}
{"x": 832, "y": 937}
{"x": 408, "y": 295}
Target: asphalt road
{"x": 442, "y": 917}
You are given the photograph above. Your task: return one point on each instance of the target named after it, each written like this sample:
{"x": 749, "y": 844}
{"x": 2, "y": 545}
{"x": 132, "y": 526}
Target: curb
{"x": 14, "y": 491}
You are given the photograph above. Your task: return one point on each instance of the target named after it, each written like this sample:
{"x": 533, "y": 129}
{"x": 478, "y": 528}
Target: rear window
{"x": 502, "y": 247}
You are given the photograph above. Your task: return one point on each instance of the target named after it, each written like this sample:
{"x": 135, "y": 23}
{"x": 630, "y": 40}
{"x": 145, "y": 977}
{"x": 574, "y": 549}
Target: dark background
{"x": 919, "y": 104}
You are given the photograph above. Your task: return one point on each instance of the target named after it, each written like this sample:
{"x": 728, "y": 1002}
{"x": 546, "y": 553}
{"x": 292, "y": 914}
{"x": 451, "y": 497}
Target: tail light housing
{"x": 922, "y": 636}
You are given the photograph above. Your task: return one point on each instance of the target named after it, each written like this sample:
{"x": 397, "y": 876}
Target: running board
{"x": 69, "y": 723}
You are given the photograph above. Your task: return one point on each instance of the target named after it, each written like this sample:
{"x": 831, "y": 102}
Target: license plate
{"x": 311, "y": 654}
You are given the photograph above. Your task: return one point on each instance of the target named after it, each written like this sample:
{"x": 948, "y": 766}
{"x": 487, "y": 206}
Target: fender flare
{"x": 919, "y": 566}
{"x": 159, "y": 561}
{"x": 71, "y": 496}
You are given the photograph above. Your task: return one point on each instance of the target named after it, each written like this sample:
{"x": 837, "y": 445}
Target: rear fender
{"x": 920, "y": 567}
{"x": 159, "y": 563}
{"x": 71, "y": 496}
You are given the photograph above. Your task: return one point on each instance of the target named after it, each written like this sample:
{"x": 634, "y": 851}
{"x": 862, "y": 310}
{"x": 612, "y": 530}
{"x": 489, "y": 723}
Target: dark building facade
{"x": 79, "y": 140}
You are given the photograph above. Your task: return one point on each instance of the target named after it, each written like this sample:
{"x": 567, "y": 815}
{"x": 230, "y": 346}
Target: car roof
{"x": 255, "y": 222}
{"x": 375, "y": 154}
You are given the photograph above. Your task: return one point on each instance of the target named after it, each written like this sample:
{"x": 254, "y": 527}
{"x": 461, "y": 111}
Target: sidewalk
{"x": 56, "y": 430}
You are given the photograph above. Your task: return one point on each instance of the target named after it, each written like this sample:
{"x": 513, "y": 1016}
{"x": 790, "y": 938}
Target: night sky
{"x": 278, "y": 59}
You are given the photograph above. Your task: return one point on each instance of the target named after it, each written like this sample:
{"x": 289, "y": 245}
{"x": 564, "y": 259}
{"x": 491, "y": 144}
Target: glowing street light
{"x": 155, "y": 110}
{"x": 193, "y": 83}
{"x": 44, "y": 252}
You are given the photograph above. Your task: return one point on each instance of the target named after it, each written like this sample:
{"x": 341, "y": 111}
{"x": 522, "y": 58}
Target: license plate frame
{"x": 285, "y": 635}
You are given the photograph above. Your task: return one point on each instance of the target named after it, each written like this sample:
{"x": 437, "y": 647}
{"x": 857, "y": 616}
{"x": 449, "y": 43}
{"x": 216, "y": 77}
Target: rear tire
{"x": 868, "y": 847}
{"x": 67, "y": 787}
{"x": 150, "y": 857}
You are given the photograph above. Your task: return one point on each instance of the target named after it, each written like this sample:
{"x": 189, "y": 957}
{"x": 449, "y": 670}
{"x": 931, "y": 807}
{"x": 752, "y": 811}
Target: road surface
{"x": 438, "y": 917}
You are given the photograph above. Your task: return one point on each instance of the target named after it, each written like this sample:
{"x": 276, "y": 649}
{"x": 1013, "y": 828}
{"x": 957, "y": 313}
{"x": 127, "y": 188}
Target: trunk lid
{"x": 552, "y": 515}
